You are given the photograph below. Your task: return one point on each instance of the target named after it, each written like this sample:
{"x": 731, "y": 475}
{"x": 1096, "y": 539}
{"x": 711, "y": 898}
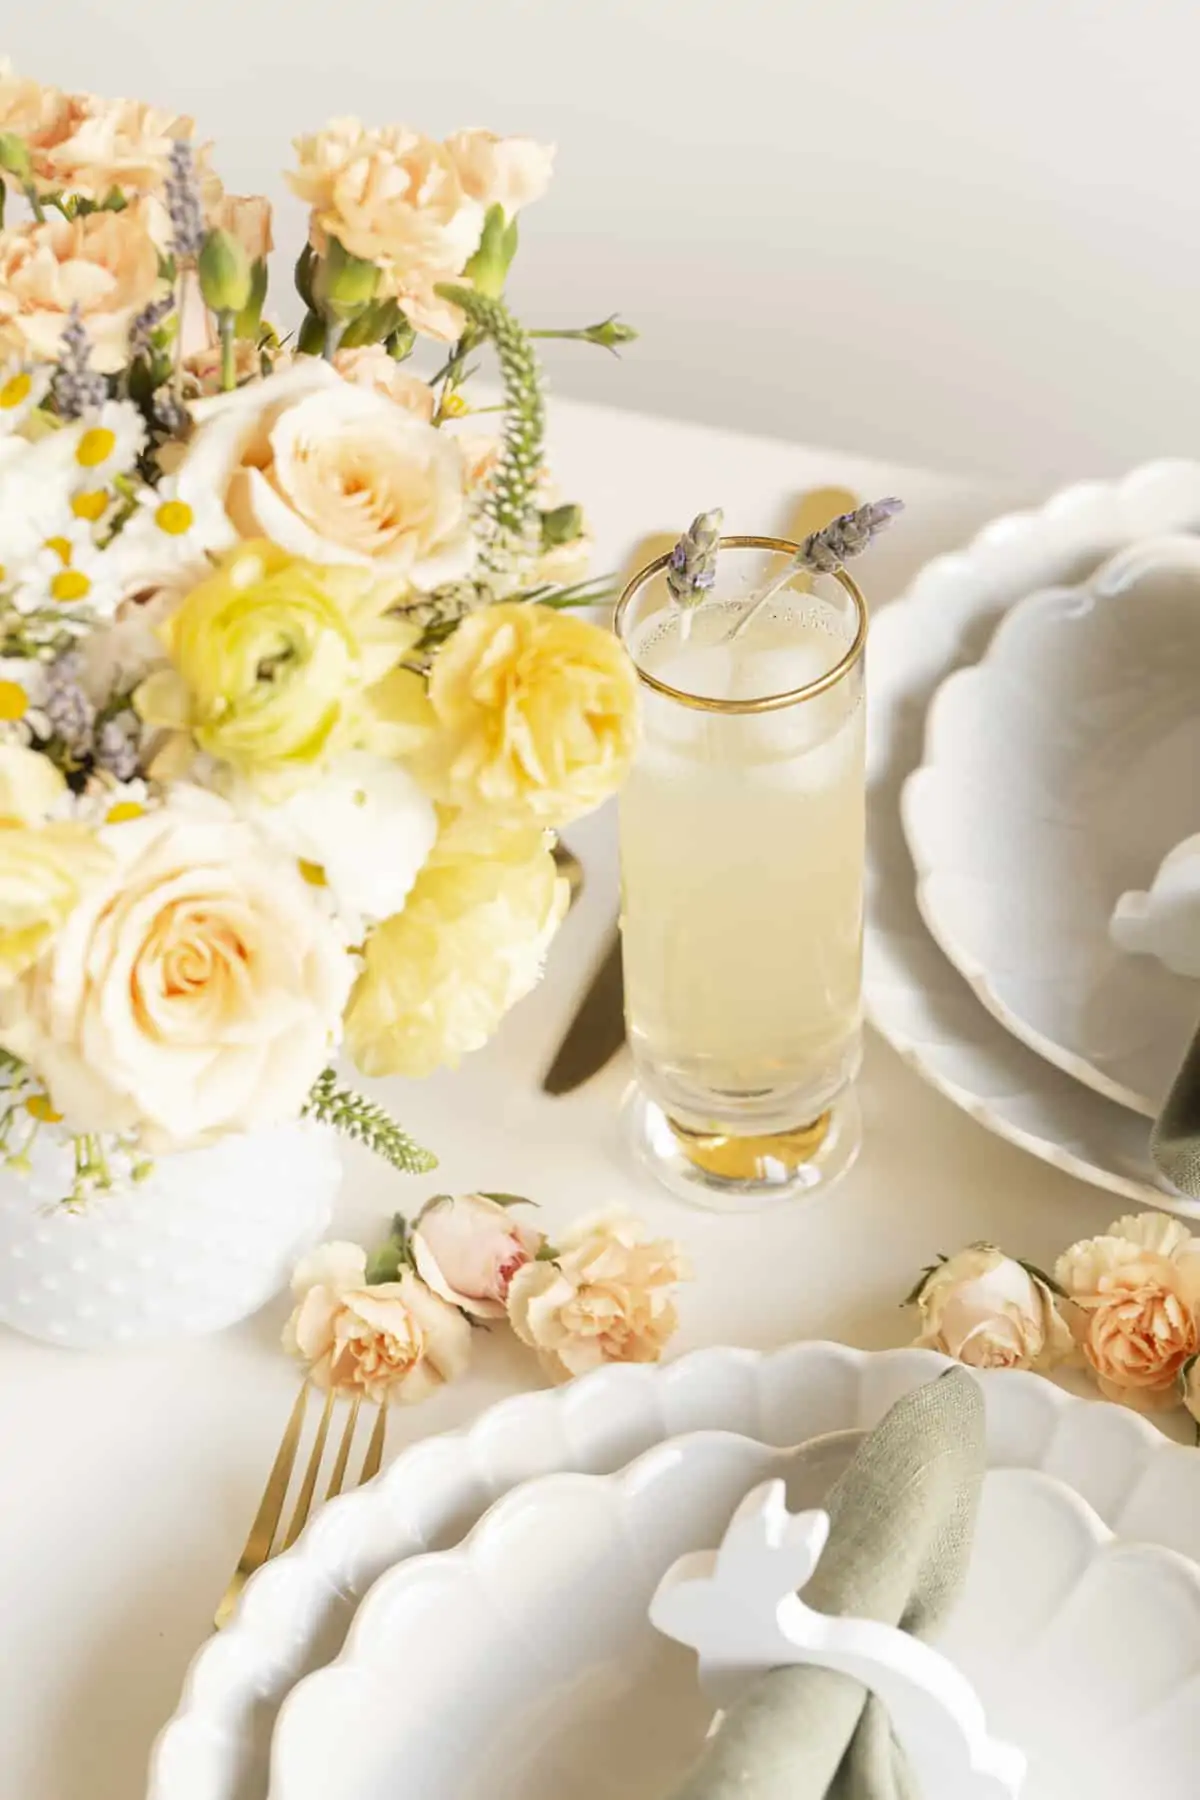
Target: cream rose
{"x": 45, "y": 869}
{"x": 106, "y": 263}
{"x": 439, "y": 976}
{"x": 1137, "y": 1289}
{"x": 393, "y": 1341}
{"x": 369, "y": 366}
{"x": 391, "y": 196}
{"x": 196, "y": 989}
{"x": 511, "y": 172}
{"x": 469, "y": 1249}
{"x": 608, "y": 1295}
{"x": 990, "y": 1312}
{"x": 538, "y": 714}
{"x": 336, "y": 473}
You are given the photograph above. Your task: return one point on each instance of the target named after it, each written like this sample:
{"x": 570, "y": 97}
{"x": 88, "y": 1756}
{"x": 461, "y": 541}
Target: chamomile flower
{"x": 71, "y": 576}
{"x": 23, "y": 719}
{"x": 108, "y": 801}
{"x": 23, "y": 387}
{"x": 105, "y": 443}
{"x": 175, "y": 526}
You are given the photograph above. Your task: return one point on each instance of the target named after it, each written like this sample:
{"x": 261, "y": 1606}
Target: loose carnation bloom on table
{"x": 607, "y": 1295}
{"x": 991, "y": 1312}
{"x": 391, "y": 1342}
{"x": 469, "y": 1249}
{"x": 1137, "y": 1290}
{"x": 537, "y": 714}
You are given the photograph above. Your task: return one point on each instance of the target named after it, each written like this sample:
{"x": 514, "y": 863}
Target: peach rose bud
{"x": 469, "y": 1249}
{"x": 991, "y": 1312}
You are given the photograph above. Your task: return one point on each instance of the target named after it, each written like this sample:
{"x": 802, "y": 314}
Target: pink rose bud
{"x": 468, "y": 1250}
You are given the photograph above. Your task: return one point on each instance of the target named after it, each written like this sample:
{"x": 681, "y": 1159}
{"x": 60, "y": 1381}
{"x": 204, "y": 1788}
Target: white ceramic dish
{"x": 295, "y": 1613}
{"x": 1058, "y": 773}
{"x": 914, "y": 996}
{"x": 524, "y": 1666}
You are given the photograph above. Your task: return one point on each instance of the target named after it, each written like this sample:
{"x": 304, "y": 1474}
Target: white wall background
{"x": 963, "y": 232}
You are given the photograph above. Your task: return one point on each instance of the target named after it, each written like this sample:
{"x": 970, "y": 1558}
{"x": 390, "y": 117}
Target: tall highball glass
{"x": 742, "y": 849}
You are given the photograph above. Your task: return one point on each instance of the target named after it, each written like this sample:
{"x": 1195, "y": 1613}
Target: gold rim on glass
{"x": 767, "y": 702}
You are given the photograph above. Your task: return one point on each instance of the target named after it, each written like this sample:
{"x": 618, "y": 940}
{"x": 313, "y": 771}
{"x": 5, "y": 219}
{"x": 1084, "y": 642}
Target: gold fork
{"x": 259, "y": 1544}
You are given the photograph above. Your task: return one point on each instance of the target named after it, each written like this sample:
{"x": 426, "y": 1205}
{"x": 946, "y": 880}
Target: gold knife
{"x": 597, "y": 1031}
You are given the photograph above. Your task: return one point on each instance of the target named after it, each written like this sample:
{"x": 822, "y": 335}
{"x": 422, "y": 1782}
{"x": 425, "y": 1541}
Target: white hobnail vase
{"x": 205, "y": 1239}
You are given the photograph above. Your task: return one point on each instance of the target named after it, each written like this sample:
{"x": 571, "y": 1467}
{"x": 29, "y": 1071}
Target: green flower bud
{"x": 561, "y": 525}
{"x": 14, "y": 156}
{"x": 488, "y": 268}
{"x": 610, "y": 334}
{"x": 249, "y": 319}
{"x": 343, "y": 285}
{"x": 226, "y": 278}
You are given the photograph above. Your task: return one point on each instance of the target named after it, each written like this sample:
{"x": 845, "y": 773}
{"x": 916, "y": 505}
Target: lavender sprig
{"x": 183, "y": 202}
{"x": 77, "y": 386}
{"x": 71, "y": 713}
{"x": 692, "y": 569}
{"x": 146, "y": 324}
{"x": 826, "y": 550}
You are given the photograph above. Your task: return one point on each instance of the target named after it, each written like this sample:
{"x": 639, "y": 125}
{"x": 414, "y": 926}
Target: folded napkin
{"x": 902, "y": 1519}
{"x": 1175, "y": 1140}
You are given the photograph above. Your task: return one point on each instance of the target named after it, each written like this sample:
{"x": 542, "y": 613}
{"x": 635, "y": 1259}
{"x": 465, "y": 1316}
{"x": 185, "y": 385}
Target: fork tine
{"x": 270, "y": 1510}
{"x": 304, "y": 1499}
{"x": 343, "y": 1455}
{"x": 374, "y": 1456}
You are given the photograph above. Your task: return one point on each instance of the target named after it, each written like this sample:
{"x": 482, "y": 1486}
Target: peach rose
{"x": 990, "y": 1312}
{"x": 391, "y": 196}
{"x": 106, "y": 263}
{"x": 337, "y": 473}
{"x": 1136, "y": 1290}
{"x": 392, "y": 1341}
{"x": 608, "y": 1295}
{"x": 196, "y": 987}
{"x": 123, "y": 144}
{"x": 510, "y": 172}
{"x": 246, "y": 217}
{"x": 469, "y": 1249}
{"x": 369, "y": 366}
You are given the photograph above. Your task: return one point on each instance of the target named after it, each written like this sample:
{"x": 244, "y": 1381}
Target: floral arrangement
{"x": 290, "y": 701}
{"x": 1125, "y": 1305}
{"x": 396, "y": 1325}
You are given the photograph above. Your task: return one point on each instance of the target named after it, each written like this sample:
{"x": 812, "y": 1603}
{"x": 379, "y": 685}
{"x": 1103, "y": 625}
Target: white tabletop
{"x": 127, "y": 1482}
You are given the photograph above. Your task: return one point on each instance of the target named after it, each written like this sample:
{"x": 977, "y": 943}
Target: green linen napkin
{"x": 902, "y": 1519}
{"x": 1175, "y": 1140}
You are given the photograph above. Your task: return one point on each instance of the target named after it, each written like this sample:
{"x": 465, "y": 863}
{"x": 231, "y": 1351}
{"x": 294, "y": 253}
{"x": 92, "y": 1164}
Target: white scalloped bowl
{"x": 523, "y": 1666}
{"x": 295, "y": 1613}
{"x": 1058, "y": 773}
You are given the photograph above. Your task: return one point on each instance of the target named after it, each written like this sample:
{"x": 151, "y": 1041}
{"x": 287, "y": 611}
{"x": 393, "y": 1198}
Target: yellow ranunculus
{"x": 537, "y": 714}
{"x": 470, "y": 942}
{"x": 279, "y": 664}
{"x": 43, "y": 872}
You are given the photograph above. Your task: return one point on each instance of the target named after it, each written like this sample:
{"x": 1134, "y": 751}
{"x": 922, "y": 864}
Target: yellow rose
{"x": 44, "y": 870}
{"x": 278, "y": 664}
{"x": 106, "y": 263}
{"x": 195, "y": 988}
{"x": 510, "y": 172}
{"x": 606, "y": 1295}
{"x": 336, "y": 472}
{"x": 439, "y": 976}
{"x": 123, "y": 144}
{"x": 538, "y": 714}
{"x": 391, "y": 196}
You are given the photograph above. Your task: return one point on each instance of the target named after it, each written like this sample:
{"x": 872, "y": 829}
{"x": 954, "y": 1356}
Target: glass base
{"x": 729, "y": 1173}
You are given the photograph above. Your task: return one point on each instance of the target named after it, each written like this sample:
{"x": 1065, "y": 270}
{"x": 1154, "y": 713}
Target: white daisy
{"x": 175, "y": 526}
{"x": 22, "y": 700}
{"x": 107, "y": 801}
{"x": 23, "y": 386}
{"x": 106, "y": 443}
{"x": 70, "y": 575}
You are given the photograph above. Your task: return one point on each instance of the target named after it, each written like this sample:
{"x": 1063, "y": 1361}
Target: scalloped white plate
{"x": 1058, "y": 773}
{"x": 523, "y": 1666}
{"x": 296, "y": 1611}
{"x": 914, "y": 995}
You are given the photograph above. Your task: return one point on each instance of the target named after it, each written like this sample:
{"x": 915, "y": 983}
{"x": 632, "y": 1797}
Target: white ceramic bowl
{"x": 915, "y": 997}
{"x": 295, "y": 1612}
{"x": 524, "y": 1666}
{"x": 1058, "y": 773}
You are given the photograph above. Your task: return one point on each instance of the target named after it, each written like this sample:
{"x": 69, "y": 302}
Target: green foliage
{"x": 361, "y": 1119}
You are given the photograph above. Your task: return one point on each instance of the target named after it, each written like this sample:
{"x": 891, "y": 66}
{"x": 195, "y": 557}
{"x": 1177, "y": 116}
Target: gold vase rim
{"x": 765, "y": 702}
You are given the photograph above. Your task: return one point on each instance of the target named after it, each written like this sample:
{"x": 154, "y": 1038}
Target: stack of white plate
{"x": 1034, "y": 731}
{"x": 402, "y": 1648}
